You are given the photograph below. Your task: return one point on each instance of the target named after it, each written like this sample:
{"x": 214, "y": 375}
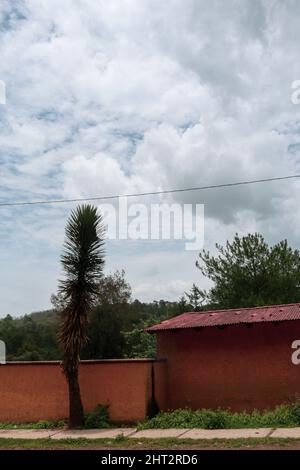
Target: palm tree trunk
{"x": 76, "y": 414}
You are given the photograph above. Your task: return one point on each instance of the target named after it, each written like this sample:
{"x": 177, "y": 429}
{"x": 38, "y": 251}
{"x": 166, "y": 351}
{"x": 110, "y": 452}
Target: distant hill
{"x": 44, "y": 317}
{"x": 114, "y": 330}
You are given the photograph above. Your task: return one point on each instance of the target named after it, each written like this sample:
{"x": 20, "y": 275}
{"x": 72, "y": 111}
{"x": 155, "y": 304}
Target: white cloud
{"x": 123, "y": 96}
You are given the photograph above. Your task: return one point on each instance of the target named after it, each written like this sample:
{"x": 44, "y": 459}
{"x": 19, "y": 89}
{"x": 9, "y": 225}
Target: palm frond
{"x": 82, "y": 261}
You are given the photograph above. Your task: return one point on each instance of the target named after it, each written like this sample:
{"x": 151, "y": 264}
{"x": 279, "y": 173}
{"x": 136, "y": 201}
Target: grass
{"x": 44, "y": 424}
{"x": 281, "y": 416}
{"x": 98, "y": 418}
{"x": 163, "y": 443}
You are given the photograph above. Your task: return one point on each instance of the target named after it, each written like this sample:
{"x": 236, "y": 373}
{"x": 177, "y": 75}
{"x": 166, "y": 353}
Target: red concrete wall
{"x": 35, "y": 391}
{"x": 160, "y": 384}
{"x": 237, "y": 367}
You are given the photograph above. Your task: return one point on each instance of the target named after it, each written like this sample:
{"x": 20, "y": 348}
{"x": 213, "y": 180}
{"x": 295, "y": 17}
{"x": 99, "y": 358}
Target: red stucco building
{"x": 239, "y": 359}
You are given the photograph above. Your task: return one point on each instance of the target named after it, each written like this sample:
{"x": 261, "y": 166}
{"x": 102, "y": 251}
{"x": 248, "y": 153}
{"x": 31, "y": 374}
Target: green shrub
{"x": 283, "y": 415}
{"x": 43, "y": 424}
{"x": 60, "y": 424}
{"x": 214, "y": 419}
{"x": 295, "y": 412}
{"x": 98, "y": 418}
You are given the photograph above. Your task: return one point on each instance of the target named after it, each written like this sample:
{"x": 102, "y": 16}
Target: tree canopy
{"x": 248, "y": 272}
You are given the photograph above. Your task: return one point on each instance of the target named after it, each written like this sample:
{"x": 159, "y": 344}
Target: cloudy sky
{"x": 111, "y": 97}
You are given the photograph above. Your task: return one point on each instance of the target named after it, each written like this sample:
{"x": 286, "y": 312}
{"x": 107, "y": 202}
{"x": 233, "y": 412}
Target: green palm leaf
{"x": 82, "y": 261}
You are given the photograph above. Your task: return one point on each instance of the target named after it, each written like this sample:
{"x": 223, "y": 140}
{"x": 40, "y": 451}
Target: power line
{"x": 150, "y": 193}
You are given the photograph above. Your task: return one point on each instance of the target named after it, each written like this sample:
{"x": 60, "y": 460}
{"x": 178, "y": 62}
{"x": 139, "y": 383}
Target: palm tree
{"x": 82, "y": 261}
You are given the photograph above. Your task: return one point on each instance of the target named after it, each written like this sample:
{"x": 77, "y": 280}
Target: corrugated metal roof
{"x": 270, "y": 313}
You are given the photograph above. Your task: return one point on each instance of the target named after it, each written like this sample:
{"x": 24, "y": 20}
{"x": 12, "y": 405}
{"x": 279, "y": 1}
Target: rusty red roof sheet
{"x": 235, "y": 316}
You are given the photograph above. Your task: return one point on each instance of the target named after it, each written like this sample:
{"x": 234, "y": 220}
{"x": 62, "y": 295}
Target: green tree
{"x": 248, "y": 272}
{"x": 111, "y": 315}
{"x": 139, "y": 344}
{"x": 114, "y": 289}
{"x": 196, "y": 298}
{"x": 82, "y": 262}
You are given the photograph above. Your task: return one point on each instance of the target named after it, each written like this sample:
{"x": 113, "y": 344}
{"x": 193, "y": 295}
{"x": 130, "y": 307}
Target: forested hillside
{"x": 115, "y": 327}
